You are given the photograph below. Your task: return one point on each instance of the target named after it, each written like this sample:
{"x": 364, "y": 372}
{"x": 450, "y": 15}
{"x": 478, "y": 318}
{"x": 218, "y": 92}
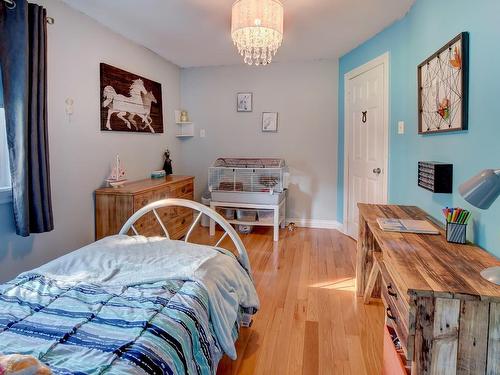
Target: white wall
{"x": 80, "y": 153}
{"x": 304, "y": 94}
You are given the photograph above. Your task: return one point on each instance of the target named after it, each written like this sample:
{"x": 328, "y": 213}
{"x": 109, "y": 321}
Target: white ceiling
{"x": 197, "y": 32}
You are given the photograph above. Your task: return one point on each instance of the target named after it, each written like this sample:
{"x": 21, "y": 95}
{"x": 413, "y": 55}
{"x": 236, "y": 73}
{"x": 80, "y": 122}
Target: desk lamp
{"x": 481, "y": 191}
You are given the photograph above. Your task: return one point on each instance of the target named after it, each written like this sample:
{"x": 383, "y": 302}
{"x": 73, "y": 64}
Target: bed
{"x": 131, "y": 304}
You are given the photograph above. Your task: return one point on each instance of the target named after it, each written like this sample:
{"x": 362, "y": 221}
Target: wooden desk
{"x": 445, "y": 314}
{"x": 114, "y": 206}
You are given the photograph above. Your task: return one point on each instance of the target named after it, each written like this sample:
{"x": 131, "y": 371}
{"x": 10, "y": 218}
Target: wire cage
{"x": 245, "y": 180}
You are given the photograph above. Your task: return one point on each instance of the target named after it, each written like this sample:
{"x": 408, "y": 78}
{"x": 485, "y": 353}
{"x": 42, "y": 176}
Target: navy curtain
{"x": 23, "y": 59}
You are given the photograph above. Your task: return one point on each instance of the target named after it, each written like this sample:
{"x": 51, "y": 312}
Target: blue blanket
{"x": 160, "y": 327}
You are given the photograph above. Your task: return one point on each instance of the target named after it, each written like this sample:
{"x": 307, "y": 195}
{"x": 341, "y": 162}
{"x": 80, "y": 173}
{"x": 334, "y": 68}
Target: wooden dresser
{"x": 445, "y": 314}
{"x": 114, "y": 206}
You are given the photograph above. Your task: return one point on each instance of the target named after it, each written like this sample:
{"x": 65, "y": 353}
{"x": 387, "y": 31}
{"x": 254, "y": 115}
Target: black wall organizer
{"x": 436, "y": 177}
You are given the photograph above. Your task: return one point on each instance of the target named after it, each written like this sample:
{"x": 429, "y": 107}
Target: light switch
{"x": 401, "y": 127}
{"x": 202, "y": 133}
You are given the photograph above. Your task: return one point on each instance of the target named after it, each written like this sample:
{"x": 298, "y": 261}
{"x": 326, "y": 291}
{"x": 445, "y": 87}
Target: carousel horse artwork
{"x": 135, "y": 109}
{"x": 121, "y": 104}
{"x": 145, "y": 113}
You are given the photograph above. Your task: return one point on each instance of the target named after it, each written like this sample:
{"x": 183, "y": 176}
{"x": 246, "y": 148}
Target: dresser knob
{"x": 390, "y": 292}
{"x": 388, "y": 312}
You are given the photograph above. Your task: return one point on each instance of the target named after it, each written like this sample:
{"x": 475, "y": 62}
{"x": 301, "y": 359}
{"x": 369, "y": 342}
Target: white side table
{"x": 278, "y": 218}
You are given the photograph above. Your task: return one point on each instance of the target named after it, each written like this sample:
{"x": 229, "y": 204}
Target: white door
{"x": 366, "y": 140}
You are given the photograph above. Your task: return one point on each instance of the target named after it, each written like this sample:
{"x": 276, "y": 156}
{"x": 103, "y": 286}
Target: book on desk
{"x": 407, "y": 226}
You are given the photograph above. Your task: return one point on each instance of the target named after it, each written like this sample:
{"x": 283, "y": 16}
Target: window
{"x": 5, "y": 183}
{"x": 4, "y": 155}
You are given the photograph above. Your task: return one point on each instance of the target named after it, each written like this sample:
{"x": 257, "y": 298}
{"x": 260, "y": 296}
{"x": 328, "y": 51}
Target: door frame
{"x": 384, "y": 60}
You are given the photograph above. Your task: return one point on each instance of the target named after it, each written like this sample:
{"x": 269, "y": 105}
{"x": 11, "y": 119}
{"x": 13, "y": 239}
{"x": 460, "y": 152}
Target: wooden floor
{"x": 310, "y": 321}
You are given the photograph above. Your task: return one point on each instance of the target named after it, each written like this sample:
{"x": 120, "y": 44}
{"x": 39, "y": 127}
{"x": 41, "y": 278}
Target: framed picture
{"x": 244, "y": 102}
{"x": 270, "y": 122}
{"x": 443, "y": 88}
{"x": 129, "y": 102}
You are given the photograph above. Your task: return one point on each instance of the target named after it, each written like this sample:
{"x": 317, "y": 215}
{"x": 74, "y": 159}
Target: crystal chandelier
{"x": 257, "y": 29}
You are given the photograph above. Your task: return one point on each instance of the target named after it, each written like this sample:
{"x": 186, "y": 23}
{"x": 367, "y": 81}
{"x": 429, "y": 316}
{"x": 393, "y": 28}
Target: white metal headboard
{"x": 171, "y": 202}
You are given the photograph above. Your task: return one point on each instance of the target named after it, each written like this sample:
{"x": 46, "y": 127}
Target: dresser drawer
{"x": 143, "y": 199}
{"x": 180, "y": 189}
{"x": 178, "y": 226}
{"x": 160, "y": 194}
{"x": 144, "y": 223}
{"x": 398, "y": 312}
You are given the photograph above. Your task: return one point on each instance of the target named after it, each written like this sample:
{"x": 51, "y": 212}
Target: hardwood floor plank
{"x": 310, "y": 321}
{"x": 312, "y": 293}
{"x": 310, "y": 358}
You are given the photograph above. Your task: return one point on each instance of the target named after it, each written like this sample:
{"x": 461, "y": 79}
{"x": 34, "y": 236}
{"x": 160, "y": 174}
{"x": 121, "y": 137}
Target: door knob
{"x": 377, "y": 170}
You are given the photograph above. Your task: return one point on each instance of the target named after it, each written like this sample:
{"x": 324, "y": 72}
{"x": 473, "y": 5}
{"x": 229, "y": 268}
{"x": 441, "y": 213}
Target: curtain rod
{"x": 11, "y": 4}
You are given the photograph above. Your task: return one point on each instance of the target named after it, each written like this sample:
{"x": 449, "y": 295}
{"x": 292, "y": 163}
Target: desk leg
{"x": 212, "y": 223}
{"x": 436, "y": 338}
{"x": 364, "y": 256}
{"x": 370, "y": 284}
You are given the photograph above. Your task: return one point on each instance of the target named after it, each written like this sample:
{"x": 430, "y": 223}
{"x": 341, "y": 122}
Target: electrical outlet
{"x": 401, "y": 127}
{"x": 202, "y": 133}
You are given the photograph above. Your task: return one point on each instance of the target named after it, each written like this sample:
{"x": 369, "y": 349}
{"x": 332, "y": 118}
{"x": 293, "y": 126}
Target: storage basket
{"x": 227, "y": 213}
{"x": 265, "y": 216}
{"x": 246, "y": 215}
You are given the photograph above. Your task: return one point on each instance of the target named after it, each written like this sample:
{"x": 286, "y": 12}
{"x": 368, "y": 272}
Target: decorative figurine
{"x": 167, "y": 165}
{"x": 117, "y": 176}
{"x": 184, "y": 116}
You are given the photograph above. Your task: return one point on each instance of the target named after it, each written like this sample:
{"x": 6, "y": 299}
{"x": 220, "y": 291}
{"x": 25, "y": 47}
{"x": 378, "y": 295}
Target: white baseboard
{"x": 314, "y": 223}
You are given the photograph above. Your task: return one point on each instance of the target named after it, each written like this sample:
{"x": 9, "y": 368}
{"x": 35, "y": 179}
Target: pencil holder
{"x": 456, "y": 233}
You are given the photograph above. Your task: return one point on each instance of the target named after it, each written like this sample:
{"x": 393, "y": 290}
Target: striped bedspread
{"x": 160, "y": 327}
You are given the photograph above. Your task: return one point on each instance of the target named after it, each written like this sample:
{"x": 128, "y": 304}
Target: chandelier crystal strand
{"x": 257, "y": 29}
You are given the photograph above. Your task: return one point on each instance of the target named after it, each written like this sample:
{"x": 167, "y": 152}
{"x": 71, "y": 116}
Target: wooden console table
{"x": 445, "y": 314}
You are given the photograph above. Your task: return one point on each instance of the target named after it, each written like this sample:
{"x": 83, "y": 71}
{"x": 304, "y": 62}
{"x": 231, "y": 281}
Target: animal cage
{"x": 243, "y": 180}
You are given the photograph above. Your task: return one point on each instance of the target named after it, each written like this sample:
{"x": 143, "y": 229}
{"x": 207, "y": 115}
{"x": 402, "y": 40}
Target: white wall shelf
{"x": 185, "y": 129}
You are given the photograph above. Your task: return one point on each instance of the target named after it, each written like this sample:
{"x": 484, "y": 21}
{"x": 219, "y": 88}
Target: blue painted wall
{"x": 427, "y": 26}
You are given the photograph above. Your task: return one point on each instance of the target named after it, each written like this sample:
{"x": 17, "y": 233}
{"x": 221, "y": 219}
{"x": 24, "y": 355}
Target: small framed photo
{"x": 270, "y": 122}
{"x": 244, "y": 102}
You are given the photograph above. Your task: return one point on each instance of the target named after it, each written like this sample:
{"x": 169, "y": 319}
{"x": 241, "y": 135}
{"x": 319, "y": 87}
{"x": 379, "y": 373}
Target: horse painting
{"x": 139, "y": 110}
